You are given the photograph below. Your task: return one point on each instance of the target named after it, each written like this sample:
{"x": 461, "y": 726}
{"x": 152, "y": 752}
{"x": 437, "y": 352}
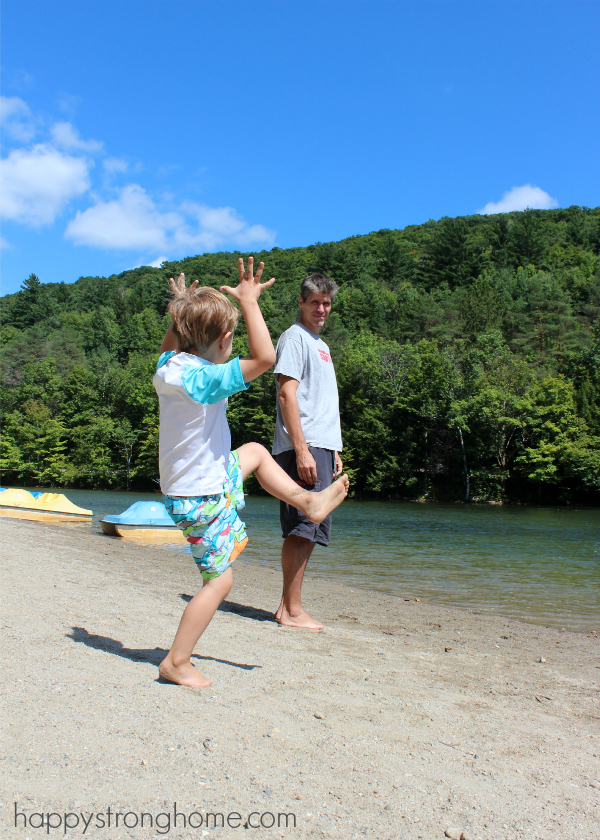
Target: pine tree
{"x": 26, "y": 309}
{"x": 450, "y": 255}
{"x": 526, "y": 244}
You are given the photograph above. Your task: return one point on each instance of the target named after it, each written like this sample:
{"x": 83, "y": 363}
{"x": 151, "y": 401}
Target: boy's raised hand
{"x": 250, "y": 286}
{"x": 178, "y": 286}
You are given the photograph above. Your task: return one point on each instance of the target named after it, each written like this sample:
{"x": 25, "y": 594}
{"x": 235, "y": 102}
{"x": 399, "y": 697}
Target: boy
{"x": 201, "y": 479}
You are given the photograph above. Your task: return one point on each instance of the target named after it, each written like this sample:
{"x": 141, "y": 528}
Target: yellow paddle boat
{"x": 47, "y": 507}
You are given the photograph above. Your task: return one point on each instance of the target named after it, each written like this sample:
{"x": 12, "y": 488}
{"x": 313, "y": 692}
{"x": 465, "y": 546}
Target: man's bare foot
{"x": 279, "y": 611}
{"x": 320, "y": 505}
{"x": 185, "y": 674}
{"x": 302, "y": 620}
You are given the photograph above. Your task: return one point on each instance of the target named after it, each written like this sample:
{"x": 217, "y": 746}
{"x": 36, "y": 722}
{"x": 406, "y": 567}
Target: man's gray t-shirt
{"x": 302, "y": 355}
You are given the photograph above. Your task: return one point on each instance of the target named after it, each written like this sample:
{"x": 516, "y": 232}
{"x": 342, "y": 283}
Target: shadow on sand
{"x": 255, "y": 613}
{"x": 154, "y": 656}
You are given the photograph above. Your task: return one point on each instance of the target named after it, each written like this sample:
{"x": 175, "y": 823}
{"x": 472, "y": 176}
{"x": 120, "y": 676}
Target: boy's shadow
{"x": 254, "y": 613}
{"x": 154, "y": 656}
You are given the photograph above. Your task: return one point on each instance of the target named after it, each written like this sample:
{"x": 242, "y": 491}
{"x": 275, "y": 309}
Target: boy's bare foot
{"x": 320, "y": 505}
{"x": 302, "y": 620}
{"x": 185, "y": 674}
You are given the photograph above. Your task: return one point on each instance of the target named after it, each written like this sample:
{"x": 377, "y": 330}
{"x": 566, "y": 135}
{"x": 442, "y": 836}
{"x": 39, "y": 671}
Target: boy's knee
{"x": 223, "y": 583}
{"x": 255, "y": 451}
{"x": 227, "y": 583}
{"x": 258, "y": 454}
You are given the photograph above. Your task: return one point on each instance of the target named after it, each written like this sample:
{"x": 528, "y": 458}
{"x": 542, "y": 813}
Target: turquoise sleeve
{"x": 164, "y": 358}
{"x": 210, "y": 384}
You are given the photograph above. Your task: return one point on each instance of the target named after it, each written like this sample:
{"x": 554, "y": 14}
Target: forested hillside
{"x": 467, "y": 353}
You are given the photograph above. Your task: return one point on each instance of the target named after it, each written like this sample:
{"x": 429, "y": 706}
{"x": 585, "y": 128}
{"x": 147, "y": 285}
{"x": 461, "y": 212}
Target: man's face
{"x": 315, "y": 311}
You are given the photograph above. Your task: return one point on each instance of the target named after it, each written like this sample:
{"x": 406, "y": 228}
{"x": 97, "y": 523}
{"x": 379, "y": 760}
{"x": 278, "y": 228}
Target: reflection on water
{"x": 536, "y": 564}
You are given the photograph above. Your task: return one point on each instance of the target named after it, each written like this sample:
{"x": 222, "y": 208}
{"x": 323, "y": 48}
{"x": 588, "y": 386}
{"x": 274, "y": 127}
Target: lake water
{"x": 540, "y": 565}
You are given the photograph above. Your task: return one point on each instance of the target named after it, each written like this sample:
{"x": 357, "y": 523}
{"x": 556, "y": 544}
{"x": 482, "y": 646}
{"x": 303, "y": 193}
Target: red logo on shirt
{"x": 325, "y": 356}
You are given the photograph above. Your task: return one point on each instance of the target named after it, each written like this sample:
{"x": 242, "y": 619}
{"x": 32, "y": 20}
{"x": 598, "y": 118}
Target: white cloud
{"x": 39, "y": 180}
{"x": 4, "y": 245}
{"x": 222, "y": 224}
{"x": 129, "y": 222}
{"x": 115, "y": 165}
{"x": 520, "y": 198}
{"x": 133, "y": 221}
{"x": 11, "y": 105}
{"x": 154, "y": 264}
{"x": 157, "y": 263}
{"x": 67, "y": 137}
{"x": 16, "y": 119}
{"x": 37, "y": 183}
{"x": 68, "y": 103}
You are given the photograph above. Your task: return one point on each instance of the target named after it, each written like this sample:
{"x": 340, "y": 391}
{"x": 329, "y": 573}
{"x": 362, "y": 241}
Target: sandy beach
{"x": 402, "y": 720}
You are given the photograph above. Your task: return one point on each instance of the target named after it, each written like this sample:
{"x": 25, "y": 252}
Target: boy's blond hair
{"x": 199, "y": 316}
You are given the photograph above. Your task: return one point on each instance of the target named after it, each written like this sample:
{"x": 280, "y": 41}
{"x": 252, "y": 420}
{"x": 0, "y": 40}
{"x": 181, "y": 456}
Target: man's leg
{"x": 300, "y": 537}
{"x": 295, "y": 554}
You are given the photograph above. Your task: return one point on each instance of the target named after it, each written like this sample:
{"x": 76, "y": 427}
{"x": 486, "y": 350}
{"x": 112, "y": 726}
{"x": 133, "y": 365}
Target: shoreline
{"x": 581, "y": 615}
{"x": 352, "y": 497}
{"x": 433, "y": 603}
{"x": 401, "y": 720}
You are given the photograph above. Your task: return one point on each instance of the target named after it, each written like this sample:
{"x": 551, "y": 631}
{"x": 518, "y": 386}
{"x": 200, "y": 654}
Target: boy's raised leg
{"x": 254, "y": 458}
{"x": 177, "y": 666}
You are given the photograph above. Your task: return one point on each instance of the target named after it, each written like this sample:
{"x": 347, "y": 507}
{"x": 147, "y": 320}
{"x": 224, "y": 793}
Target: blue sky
{"x": 138, "y": 130}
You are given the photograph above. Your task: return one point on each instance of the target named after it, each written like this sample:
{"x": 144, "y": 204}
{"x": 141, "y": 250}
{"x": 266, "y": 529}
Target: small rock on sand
{"x": 453, "y": 833}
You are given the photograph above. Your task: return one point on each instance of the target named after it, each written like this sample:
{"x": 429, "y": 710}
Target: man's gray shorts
{"x": 293, "y": 521}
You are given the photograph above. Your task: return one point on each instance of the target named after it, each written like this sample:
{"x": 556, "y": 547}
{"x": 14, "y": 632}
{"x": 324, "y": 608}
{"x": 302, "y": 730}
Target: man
{"x": 307, "y": 436}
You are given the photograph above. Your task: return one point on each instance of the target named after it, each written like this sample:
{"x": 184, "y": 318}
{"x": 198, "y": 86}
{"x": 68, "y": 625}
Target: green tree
{"x": 526, "y": 244}
{"x": 26, "y": 309}
{"x": 501, "y": 408}
{"x": 452, "y": 257}
{"x": 93, "y": 452}
{"x": 35, "y": 444}
{"x": 560, "y": 447}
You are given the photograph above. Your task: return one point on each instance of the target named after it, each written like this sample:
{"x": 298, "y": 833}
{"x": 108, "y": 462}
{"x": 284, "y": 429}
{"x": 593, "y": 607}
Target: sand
{"x": 401, "y": 720}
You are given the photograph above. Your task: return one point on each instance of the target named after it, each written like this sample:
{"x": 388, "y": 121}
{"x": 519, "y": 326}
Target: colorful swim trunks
{"x": 211, "y": 524}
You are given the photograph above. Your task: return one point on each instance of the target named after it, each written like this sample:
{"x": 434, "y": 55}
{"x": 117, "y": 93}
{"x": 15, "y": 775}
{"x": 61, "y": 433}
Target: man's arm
{"x": 262, "y": 352}
{"x": 338, "y": 464}
{"x": 290, "y": 411}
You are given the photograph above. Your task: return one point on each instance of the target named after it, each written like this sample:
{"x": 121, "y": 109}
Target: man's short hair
{"x": 318, "y": 284}
{"x": 199, "y": 316}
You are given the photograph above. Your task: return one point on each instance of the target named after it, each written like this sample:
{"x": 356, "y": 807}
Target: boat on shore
{"x": 145, "y": 522}
{"x": 40, "y": 507}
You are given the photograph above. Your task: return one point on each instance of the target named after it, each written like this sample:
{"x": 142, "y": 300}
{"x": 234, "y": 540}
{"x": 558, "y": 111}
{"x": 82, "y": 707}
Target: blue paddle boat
{"x": 146, "y": 522}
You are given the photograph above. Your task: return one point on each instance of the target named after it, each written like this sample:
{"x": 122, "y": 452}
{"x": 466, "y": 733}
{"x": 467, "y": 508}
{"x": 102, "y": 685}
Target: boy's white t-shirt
{"x": 194, "y": 439}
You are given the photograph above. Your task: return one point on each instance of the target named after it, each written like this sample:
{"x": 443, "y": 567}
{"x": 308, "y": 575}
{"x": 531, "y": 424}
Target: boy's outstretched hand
{"x": 250, "y": 286}
{"x": 178, "y": 286}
